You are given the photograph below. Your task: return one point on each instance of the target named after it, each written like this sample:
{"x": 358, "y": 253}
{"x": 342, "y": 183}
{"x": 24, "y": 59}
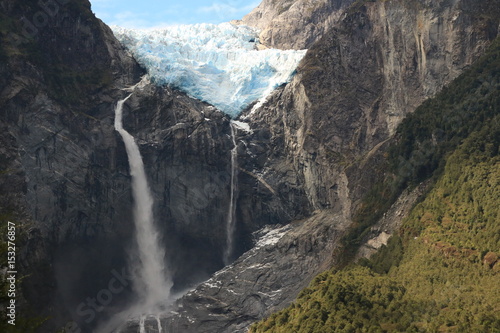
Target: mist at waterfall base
{"x": 219, "y": 64}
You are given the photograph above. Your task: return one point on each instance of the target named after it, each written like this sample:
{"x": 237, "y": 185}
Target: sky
{"x": 158, "y": 13}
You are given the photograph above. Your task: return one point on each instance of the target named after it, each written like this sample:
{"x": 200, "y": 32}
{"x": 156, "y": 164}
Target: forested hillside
{"x": 442, "y": 271}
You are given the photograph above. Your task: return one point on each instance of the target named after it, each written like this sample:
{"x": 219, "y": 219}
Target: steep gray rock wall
{"x": 358, "y": 82}
{"x": 294, "y": 24}
{"x": 65, "y": 177}
{"x": 57, "y": 82}
{"x": 324, "y": 137}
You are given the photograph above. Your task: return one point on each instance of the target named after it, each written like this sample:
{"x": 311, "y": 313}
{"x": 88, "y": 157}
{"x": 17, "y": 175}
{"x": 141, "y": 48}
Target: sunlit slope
{"x": 441, "y": 272}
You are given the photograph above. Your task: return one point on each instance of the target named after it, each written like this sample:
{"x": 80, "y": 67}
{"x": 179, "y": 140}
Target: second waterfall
{"x": 231, "y": 215}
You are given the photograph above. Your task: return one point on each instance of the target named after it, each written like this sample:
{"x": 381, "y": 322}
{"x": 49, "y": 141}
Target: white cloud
{"x": 228, "y": 9}
{"x": 104, "y": 3}
{"x": 130, "y": 19}
{"x": 149, "y": 13}
{"x": 218, "y": 8}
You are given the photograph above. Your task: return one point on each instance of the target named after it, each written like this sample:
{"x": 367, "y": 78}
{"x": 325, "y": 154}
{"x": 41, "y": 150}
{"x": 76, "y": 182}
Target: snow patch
{"x": 270, "y": 236}
{"x": 257, "y": 267}
{"x": 215, "y": 285}
{"x": 242, "y": 125}
{"x": 232, "y": 292}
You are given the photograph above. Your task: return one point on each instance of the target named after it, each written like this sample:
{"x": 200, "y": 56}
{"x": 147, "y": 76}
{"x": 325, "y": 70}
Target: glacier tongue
{"x": 218, "y": 64}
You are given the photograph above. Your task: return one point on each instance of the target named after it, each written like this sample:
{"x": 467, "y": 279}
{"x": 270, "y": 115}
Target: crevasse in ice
{"x": 218, "y": 64}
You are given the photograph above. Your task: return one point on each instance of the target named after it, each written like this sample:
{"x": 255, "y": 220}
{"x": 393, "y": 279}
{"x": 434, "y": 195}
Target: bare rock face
{"x": 294, "y": 24}
{"x": 357, "y": 83}
{"x": 64, "y": 172}
{"x": 390, "y": 223}
{"x": 282, "y": 262}
{"x": 321, "y": 140}
{"x": 58, "y": 83}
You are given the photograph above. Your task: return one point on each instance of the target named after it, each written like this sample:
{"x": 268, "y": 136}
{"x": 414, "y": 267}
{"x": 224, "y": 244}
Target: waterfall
{"x": 231, "y": 215}
{"x": 151, "y": 280}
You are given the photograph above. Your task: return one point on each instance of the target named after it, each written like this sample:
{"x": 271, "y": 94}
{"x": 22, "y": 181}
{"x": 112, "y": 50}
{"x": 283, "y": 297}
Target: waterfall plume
{"x": 152, "y": 281}
{"x": 231, "y": 215}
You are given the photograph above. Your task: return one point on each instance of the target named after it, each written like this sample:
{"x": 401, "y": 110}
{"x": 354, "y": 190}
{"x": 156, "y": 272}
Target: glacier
{"x": 216, "y": 63}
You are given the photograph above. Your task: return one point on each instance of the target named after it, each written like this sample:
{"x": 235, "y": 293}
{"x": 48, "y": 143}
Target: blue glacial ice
{"x": 218, "y": 64}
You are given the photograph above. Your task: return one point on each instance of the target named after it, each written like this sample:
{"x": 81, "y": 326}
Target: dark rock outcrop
{"x": 59, "y": 81}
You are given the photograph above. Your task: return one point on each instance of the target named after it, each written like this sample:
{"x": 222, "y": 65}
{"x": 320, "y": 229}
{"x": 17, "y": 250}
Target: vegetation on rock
{"x": 426, "y": 137}
{"x": 441, "y": 272}
{"x": 445, "y": 279}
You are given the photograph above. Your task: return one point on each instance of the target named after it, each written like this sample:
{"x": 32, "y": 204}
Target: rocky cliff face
{"x": 313, "y": 150}
{"x": 59, "y": 81}
{"x": 65, "y": 177}
{"x": 322, "y": 138}
{"x": 356, "y": 84}
{"x": 294, "y": 24}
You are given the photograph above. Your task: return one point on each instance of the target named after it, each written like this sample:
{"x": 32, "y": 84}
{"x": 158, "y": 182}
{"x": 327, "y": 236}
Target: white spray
{"x": 231, "y": 215}
{"x": 151, "y": 280}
